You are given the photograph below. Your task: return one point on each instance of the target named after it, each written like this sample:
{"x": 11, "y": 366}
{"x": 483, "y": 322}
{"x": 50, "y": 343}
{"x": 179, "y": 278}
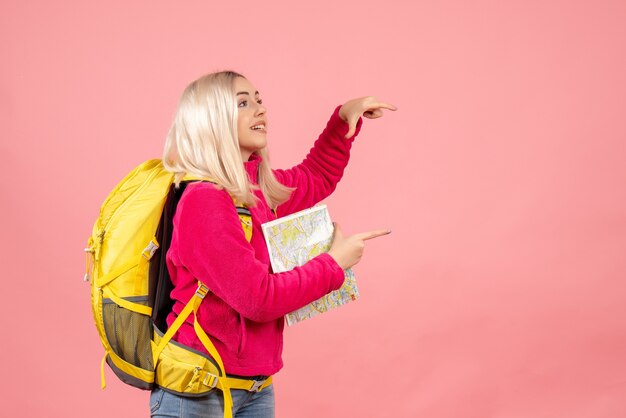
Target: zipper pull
{"x": 89, "y": 262}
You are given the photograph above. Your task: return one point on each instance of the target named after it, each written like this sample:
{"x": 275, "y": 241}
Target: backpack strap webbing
{"x": 192, "y": 306}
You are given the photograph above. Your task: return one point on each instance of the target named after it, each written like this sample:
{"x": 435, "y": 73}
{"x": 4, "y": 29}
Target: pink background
{"x": 500, "y": 293}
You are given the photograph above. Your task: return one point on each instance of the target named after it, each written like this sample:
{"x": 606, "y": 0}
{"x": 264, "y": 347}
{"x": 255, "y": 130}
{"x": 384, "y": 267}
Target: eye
{"x": 260, "y": 101}
{"x": 243, "y": 102}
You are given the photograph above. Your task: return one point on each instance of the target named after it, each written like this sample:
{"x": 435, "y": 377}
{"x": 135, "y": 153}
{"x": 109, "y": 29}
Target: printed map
{"x": 295, "y": 239}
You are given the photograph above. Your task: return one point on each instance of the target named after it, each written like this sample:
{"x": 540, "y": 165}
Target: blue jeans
{"x": 245, "y": 404}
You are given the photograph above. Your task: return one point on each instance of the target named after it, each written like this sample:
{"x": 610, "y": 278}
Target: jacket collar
{"x": 252, "y": 167}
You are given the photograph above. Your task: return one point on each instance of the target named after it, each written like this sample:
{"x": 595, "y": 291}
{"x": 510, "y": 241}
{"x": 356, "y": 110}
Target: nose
{"x": 260, "y": 110}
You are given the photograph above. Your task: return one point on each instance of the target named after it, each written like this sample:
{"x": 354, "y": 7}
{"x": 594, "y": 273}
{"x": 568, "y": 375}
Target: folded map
{"x": 295, "y": 239}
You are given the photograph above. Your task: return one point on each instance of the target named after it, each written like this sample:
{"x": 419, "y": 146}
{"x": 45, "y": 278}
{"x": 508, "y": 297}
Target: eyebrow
{"x": 245, "y": 92}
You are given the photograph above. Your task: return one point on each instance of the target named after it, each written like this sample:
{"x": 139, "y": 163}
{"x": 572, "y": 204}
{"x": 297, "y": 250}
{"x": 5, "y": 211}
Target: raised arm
{"x": 316, "y": 177}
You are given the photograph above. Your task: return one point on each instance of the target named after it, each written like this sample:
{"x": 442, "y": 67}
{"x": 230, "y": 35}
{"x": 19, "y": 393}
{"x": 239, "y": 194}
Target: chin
{"x": 260, "y": 145}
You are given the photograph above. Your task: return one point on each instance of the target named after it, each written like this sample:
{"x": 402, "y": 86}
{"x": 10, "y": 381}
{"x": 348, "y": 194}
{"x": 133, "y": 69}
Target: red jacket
{"x": 243, "y": 313}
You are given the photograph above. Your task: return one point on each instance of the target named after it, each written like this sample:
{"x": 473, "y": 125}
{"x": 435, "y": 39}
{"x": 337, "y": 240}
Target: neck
{"x": 245, "y": 155}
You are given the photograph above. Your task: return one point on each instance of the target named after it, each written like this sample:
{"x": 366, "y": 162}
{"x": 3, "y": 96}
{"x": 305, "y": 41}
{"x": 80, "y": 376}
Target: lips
{"x": 259, "y": 127}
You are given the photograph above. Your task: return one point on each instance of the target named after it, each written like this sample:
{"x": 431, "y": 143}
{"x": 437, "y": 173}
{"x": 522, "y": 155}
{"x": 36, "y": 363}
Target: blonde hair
{"x": 203, "y": 141}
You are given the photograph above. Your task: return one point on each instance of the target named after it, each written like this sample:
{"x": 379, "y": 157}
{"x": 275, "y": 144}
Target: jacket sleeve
{"x": 213, "y": 247}
{"x": 316, "y": 177}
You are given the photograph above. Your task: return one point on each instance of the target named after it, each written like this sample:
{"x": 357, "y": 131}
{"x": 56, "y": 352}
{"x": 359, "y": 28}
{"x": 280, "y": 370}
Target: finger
{"x": 337, "y": 232}
{"x": 372, "y": 234}
{"x": 381, "y": 105}
{"x": 373, "y": 114}
{"x": 352, "y": 123}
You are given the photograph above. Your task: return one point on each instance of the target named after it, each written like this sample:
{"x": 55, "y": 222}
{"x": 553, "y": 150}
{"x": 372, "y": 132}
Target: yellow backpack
{"x": 130, "y": 291}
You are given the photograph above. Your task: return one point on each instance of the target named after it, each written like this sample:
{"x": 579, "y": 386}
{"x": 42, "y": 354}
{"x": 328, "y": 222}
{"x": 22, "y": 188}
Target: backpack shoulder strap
{"x": 160, "y": 281}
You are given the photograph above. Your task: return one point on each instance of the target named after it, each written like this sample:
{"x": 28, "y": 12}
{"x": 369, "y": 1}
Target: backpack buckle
{"x": 256, "y": 386}
{"x": 202, "y": 290}
{"x": 149, "y": 251}
{"x": 210, "y": 380}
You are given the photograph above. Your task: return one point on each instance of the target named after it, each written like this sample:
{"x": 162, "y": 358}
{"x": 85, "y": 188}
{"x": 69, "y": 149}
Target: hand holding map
{"x": 297, "y": 238}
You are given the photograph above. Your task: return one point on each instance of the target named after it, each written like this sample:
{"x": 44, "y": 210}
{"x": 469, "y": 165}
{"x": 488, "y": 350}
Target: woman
{"x": 220, "y": 132}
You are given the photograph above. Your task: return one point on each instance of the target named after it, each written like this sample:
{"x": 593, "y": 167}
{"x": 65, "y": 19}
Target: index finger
{"x": 373, "y": 234}
{"x": 383, "y": 105}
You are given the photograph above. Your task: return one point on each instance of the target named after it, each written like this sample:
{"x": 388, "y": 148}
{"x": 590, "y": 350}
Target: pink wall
{"x": 501, "y": 291}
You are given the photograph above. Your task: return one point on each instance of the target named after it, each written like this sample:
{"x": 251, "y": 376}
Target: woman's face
{"x": 251, "y": 118}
